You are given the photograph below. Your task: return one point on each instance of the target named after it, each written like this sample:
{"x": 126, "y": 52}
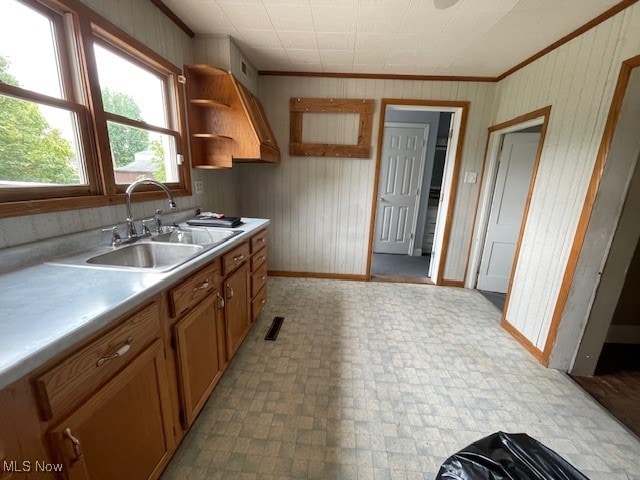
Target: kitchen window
{"x": 85, "y": 110}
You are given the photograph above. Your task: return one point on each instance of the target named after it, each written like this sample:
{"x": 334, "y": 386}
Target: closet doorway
{"x": 417, "y": 148}
{"x": 513, "y": 153}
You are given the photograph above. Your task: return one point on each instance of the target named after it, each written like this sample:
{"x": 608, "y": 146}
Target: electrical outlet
{"x": 199, "y": 186}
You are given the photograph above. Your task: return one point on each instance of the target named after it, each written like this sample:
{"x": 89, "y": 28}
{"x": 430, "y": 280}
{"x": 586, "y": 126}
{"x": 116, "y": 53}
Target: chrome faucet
{"x": 131, "y": 226}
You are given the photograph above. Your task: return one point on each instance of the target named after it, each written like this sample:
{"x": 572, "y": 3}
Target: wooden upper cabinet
{"x": 227, "y": 122}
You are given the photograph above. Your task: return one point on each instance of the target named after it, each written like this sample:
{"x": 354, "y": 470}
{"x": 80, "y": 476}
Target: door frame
{"x": 425, "y": 127}
{"x": 450, "y": 178}
{"x": 495, "y": 133}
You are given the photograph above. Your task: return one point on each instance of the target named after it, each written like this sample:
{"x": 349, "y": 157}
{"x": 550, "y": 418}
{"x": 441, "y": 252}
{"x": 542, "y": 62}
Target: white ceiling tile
{"x": 474, "y": 37}
{"x": 413, "y": 42}
{"x": 286, "y": 2}
{"x": 336, "y": 41}
{"x": 370, "y": 56}
{"x": 404, "y": 58}
{"x": 303, "y": 56}
{"x": 334, "y": 19}
{"x": 374, "y": 41}
{"x": 380, "y": 20}
{"x": 335, "y": 3}
{"x": 291, "y": 17}
{"x": 423, "y": 18}
{"x": 384, "y": 3}
{"x": 306, "y": 67}
{"x": 305, "y": 40}
{"x": 259, "y": 38}
{"x": 368, "y": 68}
{"x": 237, "y": 1}
{"x": 247, "y": 16}
{"x": 399, "y": 69}
{"x": 337, "y": 68}
{"x": 336, "y": 56}
{"x": 544, "y": 5}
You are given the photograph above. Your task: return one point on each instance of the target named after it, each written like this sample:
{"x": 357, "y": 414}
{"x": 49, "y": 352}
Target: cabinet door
{"x": 236, "y": 309}
{"x": 199, "y": 366}
{"x": 124, "y": 430}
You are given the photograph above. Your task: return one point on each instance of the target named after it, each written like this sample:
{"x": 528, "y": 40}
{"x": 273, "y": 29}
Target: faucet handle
{"x": 145, "y": 226}
{"x": 115, "y": 235}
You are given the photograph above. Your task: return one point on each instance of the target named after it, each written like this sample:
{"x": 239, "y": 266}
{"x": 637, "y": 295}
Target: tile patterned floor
{"x": 384, "y": 381}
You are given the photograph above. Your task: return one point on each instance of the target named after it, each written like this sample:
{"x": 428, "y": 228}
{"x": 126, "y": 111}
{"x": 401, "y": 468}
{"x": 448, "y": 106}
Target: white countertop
{"x": 45, "y": 309}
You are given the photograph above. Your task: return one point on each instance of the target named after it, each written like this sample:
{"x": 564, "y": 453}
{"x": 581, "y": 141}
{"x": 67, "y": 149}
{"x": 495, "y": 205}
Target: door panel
{"x": 401, "y": 170}
{"x": 517, "y": 159}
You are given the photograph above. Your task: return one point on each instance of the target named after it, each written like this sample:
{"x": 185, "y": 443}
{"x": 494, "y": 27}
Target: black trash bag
{"x": 506, "y": 456}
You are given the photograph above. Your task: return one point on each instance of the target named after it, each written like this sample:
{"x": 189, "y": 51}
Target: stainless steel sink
{"x": 208, "y": 237}
{"x": 157, "y": 256}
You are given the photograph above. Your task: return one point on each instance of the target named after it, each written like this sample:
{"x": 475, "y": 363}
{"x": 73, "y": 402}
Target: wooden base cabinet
{"x": 236, "y": 308}
{"x": 200, "y": 364}
{"x": 124, "y": 430}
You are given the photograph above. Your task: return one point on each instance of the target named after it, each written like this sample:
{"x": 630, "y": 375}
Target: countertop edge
{"x": 17, "y": 369}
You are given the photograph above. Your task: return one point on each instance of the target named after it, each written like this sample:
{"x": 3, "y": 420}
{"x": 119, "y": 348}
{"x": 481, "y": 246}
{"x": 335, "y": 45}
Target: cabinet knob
{"x": 77, "y": 448}
{"x": 264, "y": 277}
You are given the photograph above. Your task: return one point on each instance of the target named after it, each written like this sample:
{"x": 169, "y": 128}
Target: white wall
{"x": 577, "y": 79}
{"x": 321, "y": 207}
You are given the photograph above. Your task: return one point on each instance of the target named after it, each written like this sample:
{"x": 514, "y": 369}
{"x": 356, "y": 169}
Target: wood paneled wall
{"x": 144, "y": 21}
{"x": 578, "y": 80}
{"x": 321, "y": 207}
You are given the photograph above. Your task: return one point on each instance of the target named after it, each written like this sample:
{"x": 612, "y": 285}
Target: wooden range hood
{"x": 226, "y": 121}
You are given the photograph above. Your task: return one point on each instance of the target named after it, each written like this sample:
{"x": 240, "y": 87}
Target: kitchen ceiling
{"x": 470, "y": 38}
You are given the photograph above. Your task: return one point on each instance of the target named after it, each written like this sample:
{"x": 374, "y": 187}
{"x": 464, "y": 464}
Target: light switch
{"x": 470, "y": 177}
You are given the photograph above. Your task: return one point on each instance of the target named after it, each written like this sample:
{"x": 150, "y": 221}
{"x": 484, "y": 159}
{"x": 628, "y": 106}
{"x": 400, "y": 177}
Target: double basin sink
{"x": 159, "y": 253}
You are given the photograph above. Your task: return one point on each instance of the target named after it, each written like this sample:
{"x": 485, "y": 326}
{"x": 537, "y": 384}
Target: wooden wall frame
{"x": 299, "y": 106}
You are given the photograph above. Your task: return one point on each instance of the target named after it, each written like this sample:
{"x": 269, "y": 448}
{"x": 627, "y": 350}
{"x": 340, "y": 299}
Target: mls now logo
{"x": 28, "y": 466}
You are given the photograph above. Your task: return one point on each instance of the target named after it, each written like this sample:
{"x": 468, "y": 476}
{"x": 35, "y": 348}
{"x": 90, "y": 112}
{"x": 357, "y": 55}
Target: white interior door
{"x": 401, "y": 170}
{"x": 517, "y": 159}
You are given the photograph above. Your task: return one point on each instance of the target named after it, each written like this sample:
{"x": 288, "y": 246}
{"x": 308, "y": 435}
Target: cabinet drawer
{"x": 81, "y": 374}
{"x": 258, "y": 259}
{"x": 234, "y": 258}
{"x": 258, "y": 303}
{"x": 258, "y": 241}
{"x": 194, "y": 289}
{"x": 258, "y": 279}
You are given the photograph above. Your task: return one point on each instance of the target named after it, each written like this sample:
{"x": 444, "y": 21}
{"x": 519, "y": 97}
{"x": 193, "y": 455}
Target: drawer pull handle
{"x": 117, "y": 354}
{"x": 77, "y": 448}
{"x": 204, "y": 285}
{"x": 239, "y": 258}
{"x": 230, "y": 296}
{"x": 220, "y": 301}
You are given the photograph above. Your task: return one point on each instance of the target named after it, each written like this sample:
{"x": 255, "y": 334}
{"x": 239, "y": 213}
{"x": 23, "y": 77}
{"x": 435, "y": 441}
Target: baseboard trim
{"x": 524, "y": 341}
{"x": 453, "y": 283}
{"x": 623, "y": 334}
{"x": 332, "y": 276}
{"x": 400, "y": 279}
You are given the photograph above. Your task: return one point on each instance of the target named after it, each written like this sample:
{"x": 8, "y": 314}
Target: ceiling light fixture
{"x": 444, "y": 4}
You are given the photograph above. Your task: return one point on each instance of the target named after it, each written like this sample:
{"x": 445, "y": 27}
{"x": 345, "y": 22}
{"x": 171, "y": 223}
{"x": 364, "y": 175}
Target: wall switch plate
{"x": 199, "y": 187}
{"x": 470, "y": 177}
